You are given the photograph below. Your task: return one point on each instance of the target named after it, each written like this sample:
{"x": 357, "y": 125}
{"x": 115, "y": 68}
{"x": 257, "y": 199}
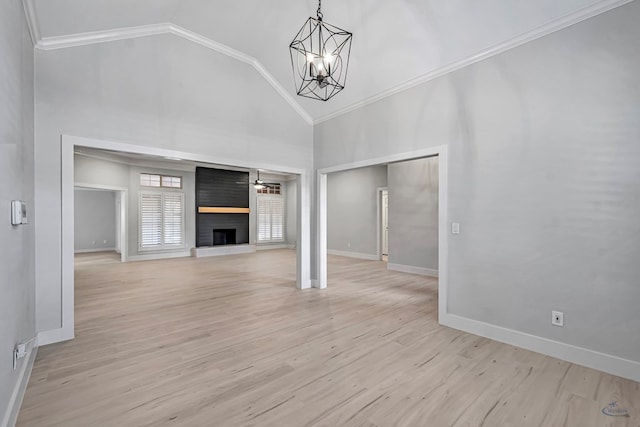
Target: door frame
{"x": 443, "y": 252}
{"x": 68, "y": 142}
{"x": 123, "y": 195}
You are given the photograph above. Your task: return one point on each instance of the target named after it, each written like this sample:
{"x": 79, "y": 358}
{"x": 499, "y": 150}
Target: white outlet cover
{"x": 557, "y": 318}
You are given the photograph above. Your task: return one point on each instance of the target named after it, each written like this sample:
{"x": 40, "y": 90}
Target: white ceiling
{"x": 394, "y": 41}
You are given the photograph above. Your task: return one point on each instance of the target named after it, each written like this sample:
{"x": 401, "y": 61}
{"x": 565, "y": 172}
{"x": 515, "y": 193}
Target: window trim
{"x": 161, "y": 178}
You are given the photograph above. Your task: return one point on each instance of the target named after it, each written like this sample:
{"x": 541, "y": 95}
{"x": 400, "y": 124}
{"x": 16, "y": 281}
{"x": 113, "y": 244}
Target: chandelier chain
{"x": 319, "y": 12}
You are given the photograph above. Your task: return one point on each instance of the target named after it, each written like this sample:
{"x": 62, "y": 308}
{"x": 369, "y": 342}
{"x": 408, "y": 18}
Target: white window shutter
{"x": 161, "y": 220}
{"x": 150, "y": 220}
{"x": 173, "y": 222}
{"x": 270, "y": 218}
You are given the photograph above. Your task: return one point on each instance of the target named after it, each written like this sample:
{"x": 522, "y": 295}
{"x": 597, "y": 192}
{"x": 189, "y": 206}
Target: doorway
{"x": 440, "y": 153}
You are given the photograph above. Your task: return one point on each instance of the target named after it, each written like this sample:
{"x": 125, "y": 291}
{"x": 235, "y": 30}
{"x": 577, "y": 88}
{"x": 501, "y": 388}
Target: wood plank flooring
{"x": 229, "y": 341}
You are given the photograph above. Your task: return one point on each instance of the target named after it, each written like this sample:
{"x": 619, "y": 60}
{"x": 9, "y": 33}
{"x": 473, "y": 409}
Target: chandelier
{"x": 320, "y": 58}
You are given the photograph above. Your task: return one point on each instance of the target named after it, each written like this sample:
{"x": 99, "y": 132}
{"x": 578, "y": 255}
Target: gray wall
{"x": 17, "y": 247}
{"x": 543, "y": 177}
{"x": 413, "y": 213}
{"x": 352, "y": 217}
{"x": 159, "y": 91}
{"x": 94, "y": 220}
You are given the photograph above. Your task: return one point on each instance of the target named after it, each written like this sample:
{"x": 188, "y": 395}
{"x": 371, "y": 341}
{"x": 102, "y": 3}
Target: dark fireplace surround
{"x": 225, "y": 189}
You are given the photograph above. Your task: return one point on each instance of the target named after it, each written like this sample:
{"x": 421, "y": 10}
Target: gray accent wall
{"x": 158, "y": 91}
{"x": 17, "y": 243}
{"x": 352, "y": 216}
{"x": 94, "y": 220}
{"x": 413, "y": 213}
{"x": 543, "y": 178}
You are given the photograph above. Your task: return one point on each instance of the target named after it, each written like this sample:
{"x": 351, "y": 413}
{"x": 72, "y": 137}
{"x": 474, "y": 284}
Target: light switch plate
{"x": 18, "y": 212}
{"x": 455, "y": 228}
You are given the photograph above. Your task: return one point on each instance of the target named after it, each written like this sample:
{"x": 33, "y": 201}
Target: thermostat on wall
{"x": 18, "y": 212}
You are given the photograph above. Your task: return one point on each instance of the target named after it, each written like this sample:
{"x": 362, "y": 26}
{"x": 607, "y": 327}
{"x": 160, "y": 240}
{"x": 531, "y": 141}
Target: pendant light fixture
{"x": 320, "y": 58}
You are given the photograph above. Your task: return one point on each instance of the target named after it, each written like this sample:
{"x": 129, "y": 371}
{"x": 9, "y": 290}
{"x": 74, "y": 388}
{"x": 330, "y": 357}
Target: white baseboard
{"x": 54, "y": 335}
{"x": 580, "y": 356}
{"x": 86, "y": 251}
{"x": 413, "y": 270}
{"x": 11, "y": 416}
{"x": 357, "y": 255}
{"x": 267, "y": 247}
{"x": 162, "y": 255}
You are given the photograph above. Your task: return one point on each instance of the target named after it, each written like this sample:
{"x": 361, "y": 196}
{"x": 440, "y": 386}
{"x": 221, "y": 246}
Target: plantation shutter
{"x": 270, "y": 218}
{"x": 173, "y": 218}
{"x": 150, "y": 219}
{"x": 161, "y": 220}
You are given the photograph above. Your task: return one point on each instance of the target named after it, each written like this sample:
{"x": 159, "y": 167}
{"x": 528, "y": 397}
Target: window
{"x": 164, "y": 181}
{"x": 161, "y": 220}
{"x": 271, "y": 189}
{"x": 270, "y": 218}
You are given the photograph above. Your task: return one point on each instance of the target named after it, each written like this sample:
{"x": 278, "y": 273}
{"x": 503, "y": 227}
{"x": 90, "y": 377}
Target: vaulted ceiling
{"x": 396, "y": 42}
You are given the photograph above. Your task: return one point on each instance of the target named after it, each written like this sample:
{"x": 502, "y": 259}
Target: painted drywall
{"x": 100, "y": 172}
{"x": 158, "y": 91}
{"x": 543, "y": 178}
{"x": 352, "y": 216}
{"x": 17, "y": 247}
{"x": 94, "y": 220}
{"x": 413, "y": 213}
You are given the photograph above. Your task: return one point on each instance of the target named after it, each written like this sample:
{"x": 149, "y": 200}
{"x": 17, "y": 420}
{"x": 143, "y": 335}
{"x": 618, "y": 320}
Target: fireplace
{"x": 224, "y": 236}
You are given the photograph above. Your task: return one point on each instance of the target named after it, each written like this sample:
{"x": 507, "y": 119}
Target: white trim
{"x": 93, "y": 37}
{"x": 544, "y": 30}
{"x": 349, "y": 254}
{"x": 443, "y": 254}
{"x": 159, "y": 255}
{"x": 222, "y": 250}
{"x": 581, "y": 356}
{"x": 54, "y": 335}
{"x": 379, "y": 192}
{"x": 88, "y": 251}
{"x": 11, "y": 414}
{"x": 68, "y": 142}
{"x": 32, "y": 20}
{"x": 67, "y": 212}
{"x": 412, "y": 270}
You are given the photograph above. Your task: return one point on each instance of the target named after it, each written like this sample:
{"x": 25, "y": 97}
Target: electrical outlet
{"x": 349, "y": 245}
{"x": 557, "y": 318}
{"x": 104, "y": 242}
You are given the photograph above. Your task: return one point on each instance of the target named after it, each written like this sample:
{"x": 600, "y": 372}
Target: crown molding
{"x": 32, "y": 20}
{"x": 93, "y": 37}
{"x": 553, "y": 26}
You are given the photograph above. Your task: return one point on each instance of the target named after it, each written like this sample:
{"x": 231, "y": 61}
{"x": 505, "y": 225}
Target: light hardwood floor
{"x": 229, "y": 341}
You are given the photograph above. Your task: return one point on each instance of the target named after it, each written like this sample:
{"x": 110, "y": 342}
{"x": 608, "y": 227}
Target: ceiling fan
{"x": 259, "y": 184}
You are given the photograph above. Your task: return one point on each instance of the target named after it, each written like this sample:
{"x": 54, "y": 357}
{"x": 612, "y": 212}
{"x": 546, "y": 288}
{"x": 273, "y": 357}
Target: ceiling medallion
{"x": 320, "y": 58}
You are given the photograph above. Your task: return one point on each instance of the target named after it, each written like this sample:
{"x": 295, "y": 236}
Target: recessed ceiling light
{"x": 172, "y": 158}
